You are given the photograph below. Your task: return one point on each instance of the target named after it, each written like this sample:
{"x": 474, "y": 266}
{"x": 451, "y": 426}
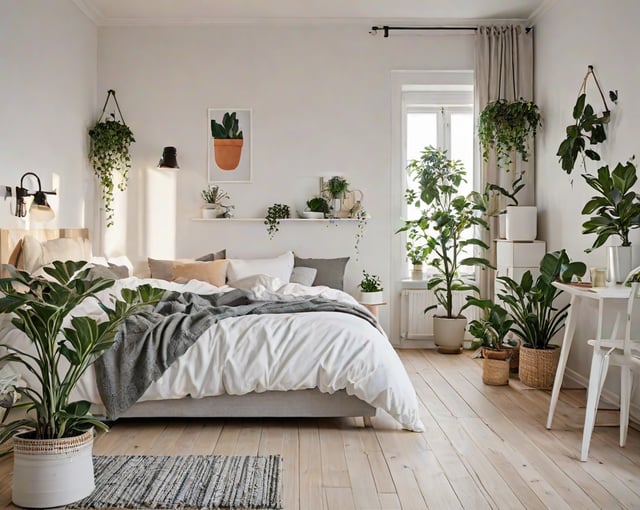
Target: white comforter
{"x": 330, "y": 351}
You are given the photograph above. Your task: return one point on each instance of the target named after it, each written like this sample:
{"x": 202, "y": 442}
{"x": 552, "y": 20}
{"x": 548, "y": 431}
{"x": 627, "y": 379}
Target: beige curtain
{"x": 503, "y": 70}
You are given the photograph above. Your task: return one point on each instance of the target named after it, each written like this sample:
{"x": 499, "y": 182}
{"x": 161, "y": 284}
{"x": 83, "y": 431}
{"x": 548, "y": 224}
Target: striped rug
{"x": 185, "y": 482}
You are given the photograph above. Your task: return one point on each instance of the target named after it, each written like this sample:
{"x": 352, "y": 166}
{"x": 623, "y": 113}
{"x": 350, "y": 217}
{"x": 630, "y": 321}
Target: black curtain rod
{"x": 386, "y": 28}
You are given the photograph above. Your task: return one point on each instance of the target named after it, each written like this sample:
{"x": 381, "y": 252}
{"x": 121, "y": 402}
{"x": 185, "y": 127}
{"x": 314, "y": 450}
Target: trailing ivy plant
{"x": 109, "y": 145}
{"x": 506, "y": 126}
{"x": 275, "y": 213}
{"x": 587, "y": 126}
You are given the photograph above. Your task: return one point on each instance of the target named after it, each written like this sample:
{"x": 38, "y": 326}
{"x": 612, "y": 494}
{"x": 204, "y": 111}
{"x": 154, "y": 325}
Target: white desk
{"x": 605, "y": 296}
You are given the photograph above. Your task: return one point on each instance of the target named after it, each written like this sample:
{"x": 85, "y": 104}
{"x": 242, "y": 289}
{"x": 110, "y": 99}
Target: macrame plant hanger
{"x": 111, "y": 93}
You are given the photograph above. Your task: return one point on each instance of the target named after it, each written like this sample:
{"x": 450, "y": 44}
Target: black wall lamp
{"x": 40, "y": 209}
{"x": 169, "y": 158}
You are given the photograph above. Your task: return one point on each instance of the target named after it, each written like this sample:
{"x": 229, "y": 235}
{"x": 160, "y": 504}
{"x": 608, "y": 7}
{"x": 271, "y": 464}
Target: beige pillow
{"x": 213, "y": 272}
{"x": 163, "y": 269}
{"x": 36, "y": 254}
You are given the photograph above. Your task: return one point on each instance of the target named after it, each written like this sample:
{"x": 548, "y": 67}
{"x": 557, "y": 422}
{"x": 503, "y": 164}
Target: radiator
{"x": 417, "y": 325}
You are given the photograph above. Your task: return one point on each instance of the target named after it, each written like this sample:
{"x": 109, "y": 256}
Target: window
{"x": 442, "y": 116}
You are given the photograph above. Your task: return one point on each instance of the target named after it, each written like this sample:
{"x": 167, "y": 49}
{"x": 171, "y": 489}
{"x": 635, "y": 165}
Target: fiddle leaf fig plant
{"x": 109, "y": 143}
{"x": 616, "y": 208}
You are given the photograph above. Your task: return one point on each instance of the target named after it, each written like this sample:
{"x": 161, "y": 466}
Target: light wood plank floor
{"x": 484, "y": 447}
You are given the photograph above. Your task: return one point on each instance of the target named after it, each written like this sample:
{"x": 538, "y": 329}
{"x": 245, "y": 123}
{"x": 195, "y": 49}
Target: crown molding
{"x": 90, "y": 11}
{"x": 200, "y": 21}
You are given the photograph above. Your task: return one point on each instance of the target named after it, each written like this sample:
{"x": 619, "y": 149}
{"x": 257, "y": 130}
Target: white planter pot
{"x": 52, "y": 472}
{"x": 521, "y": 223}
{"x": 449, "y": 334}
{"x": 372, "y": 298}
{"x": 618, "y": 263}
{"x": 210, "y": 211}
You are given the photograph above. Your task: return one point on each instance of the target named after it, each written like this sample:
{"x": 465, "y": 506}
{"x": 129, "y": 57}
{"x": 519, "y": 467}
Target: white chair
{"x": 622, "y": 352}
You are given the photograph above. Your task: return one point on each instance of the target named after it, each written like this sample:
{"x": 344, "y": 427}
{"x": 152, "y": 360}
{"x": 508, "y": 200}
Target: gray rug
{"x": 185, "y": 482}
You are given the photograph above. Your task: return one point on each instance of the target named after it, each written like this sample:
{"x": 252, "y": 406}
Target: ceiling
{"x": 127, "y": 12}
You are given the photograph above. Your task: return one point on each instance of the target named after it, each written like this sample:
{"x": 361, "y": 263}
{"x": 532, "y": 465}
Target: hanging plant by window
{"x": 587, "y": 126}
{"x": 109, "y": 153}
{"x": 506, "y": 126}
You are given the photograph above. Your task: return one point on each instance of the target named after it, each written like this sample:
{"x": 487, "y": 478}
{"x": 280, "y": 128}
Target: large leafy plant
{"x": 493, "y": 327}
{"x": 532, "y": 303}
{"x": 507, "y": 126}
{"x": 228, "y": 129}
{"x": 445, "y": 218}
{"x": 587, "y": 126}
{"x": 616, "y": 208}
{"x": 63, "y": 345}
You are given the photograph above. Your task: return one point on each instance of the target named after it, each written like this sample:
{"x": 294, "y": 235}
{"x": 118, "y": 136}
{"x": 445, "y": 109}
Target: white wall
{"x": 321, "y": 100}
{"x": 48, "y": 53}
{"x": 570, "y": 36}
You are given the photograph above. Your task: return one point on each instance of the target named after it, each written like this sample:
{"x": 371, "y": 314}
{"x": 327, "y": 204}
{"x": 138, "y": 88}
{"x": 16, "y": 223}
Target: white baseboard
{"x": 608, "y": 396}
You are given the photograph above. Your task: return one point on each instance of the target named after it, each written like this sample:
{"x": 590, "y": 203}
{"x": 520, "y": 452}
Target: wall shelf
{"x": 261, "y": 220}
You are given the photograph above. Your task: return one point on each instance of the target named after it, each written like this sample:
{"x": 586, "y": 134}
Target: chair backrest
{"x": 629, "y": 343}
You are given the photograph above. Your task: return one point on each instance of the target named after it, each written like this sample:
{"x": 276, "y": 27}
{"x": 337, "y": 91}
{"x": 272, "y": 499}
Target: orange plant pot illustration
{"x": 227, "y": 152}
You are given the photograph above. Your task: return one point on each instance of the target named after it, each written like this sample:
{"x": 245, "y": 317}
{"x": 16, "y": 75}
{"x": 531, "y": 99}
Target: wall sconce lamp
{"x": 40, "y": 209}
{"x": 169, "y": 158}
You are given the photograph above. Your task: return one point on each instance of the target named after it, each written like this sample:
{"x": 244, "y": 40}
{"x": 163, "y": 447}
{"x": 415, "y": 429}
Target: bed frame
{"x": 296, "y": 403}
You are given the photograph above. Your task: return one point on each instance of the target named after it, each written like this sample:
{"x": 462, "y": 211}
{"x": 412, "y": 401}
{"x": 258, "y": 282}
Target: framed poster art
{"x": 229, "y": 144}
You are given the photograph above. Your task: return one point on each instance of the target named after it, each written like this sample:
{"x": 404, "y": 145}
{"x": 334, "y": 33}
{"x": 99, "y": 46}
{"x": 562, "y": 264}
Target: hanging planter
{"x": 109, "y": 153}
{"x": 506, "y": 126}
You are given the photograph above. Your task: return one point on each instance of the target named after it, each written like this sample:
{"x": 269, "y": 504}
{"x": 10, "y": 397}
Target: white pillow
{"x": 36, "y": 254}
{"x": 257, "y": 280}
{"x": 278, "y": 267}
{"x": 304, "y": 275}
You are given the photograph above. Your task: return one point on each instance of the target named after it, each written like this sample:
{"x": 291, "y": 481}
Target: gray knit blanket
{"x": 148, "y": 342}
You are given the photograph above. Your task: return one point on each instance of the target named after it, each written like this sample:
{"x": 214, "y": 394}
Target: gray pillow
{"x": 330, "y": 271}
{"x": 119, "y": 271}
{"x": 304, "y": 275}
{"x": 98, "y": 271}
{"x": 219, "y": 255}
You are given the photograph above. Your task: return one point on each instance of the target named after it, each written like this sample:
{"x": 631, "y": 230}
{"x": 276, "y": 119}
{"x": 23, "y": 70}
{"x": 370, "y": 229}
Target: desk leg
{"x": 570, "y": 328}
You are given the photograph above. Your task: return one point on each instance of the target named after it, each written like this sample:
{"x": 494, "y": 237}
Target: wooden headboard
{"x": 11, "y": 241}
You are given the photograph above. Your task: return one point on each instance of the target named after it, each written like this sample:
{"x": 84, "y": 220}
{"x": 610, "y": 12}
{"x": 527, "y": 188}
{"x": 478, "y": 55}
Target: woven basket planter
{"x": 495, "y": 367}
{"x": 52, "y": 472}
{"x": 537, "y": 367}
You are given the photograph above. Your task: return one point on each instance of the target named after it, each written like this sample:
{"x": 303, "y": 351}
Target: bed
{"x": 309, "y": 364}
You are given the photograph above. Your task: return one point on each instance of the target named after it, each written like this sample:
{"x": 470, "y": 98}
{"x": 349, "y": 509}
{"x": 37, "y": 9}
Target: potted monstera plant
{"x": 445, "y": 228}
{"x": 53, "y": 443}
{"x": 227, "y": 141}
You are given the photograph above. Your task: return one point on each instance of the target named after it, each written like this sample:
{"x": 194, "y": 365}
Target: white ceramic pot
{"x": 521, "y": 223}
{"x": 52, "y": 472}
{"x": 619, "y": 263}
{"x": 210, "y": 211}
{"x": 372, "y": 298}
{"x": 448, "y": 334}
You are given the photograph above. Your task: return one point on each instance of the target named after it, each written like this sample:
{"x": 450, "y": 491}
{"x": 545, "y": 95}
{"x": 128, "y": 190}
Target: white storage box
{"x": 519, "y": 254}
{"x": 521, "y": 223}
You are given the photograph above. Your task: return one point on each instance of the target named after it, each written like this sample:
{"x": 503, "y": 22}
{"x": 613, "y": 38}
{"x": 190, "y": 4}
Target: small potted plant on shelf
{"x": 62, "y": 346}
{"x": 317, "y": 207}
{"x": 616, "y": 211}
{"x": 213, "y": 197}
{"x": 537, "y": 318}
{"x": 275, "y": 213}
{"x": 336, "y": 187}
{"x": 227, "y": 141}
{"x": 416, "y": 254}
{"x": 445, "y": 229}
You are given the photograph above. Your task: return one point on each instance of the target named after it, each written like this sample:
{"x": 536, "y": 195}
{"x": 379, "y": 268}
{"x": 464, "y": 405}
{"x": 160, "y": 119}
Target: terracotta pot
{"x": 449, "y": 333}
{"x": 227, "y": 152}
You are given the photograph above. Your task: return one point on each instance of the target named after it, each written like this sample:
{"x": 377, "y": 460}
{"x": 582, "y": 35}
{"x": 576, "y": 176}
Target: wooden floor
{"x": 484, "y": 447}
